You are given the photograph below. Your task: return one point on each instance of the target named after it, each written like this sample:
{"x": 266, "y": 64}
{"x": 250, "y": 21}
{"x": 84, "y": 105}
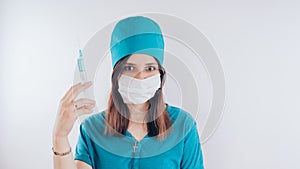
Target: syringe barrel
{"x": 83, "y": 77}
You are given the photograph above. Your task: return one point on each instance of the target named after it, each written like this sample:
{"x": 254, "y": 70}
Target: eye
{"x": 151, "y": 68}
{"x": 128, "y": 68}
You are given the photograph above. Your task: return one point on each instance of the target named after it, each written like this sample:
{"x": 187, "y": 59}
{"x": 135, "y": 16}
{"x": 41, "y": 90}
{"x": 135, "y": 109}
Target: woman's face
{"x": 141, "y": 66}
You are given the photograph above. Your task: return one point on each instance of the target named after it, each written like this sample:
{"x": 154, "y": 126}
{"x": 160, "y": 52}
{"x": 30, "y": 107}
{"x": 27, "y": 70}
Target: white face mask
{"x": 136, "y": 91}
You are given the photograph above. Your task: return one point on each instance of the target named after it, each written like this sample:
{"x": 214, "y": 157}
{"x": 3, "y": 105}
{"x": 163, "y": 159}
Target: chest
{"x": 138, "y": 132}
{"x": 170, "y": 159}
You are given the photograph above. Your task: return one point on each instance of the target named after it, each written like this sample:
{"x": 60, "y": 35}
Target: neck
{"x": 138, "y": 112}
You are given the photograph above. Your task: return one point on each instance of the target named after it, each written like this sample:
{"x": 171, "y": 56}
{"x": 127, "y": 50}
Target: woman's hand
{"x": 70, "y": 109}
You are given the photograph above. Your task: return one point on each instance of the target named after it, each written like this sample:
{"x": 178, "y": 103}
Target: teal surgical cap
{"x": 136, "y": 34}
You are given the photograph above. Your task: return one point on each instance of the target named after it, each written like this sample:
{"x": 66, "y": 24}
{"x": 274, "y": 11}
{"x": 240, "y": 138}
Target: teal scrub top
{"x": 180, "y": 150}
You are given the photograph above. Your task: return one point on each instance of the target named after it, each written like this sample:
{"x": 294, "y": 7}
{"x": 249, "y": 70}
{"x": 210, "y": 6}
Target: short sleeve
{"x": 82, "y": 152}
{"x": 192, "y": 153}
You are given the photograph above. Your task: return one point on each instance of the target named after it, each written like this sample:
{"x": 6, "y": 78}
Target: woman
{"x": 137, "y": 130}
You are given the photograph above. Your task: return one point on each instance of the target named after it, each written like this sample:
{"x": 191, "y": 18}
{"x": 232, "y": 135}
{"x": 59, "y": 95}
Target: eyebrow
{"x": 145, "y": 64}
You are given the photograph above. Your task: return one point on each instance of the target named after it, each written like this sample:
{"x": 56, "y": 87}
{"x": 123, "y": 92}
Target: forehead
{"x": 141, "y": 59}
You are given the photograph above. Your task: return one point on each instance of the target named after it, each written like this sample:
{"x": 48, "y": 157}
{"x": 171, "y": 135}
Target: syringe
{"x": 82, "y": 74}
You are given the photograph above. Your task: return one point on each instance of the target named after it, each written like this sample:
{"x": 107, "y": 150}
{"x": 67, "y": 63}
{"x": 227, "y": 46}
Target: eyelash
{"x": 153, "y": 68}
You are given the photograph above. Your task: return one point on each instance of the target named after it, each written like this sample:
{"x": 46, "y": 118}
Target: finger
{"x": 79, "y": 89}
{"x": 69, "y": 92}
{"x": 74, "y": 88}
{"x": 84, "y": 101}
{"x": 85, "y": 110}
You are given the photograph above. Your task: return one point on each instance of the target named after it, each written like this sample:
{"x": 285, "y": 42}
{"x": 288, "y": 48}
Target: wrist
{"x": 59, "y": 138}
{"x": 57, "y": 153}
{"x": 61, "y": 144}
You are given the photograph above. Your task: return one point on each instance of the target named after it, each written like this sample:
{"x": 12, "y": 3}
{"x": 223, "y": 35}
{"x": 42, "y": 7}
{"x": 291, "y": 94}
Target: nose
{"x": 140, "y": 75}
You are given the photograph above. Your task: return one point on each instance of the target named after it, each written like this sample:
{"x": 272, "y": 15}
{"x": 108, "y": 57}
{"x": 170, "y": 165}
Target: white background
{"x": 257, "y": 43}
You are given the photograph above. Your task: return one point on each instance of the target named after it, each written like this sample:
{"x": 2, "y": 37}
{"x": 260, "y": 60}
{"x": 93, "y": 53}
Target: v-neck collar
{"x": 128, "y": 134}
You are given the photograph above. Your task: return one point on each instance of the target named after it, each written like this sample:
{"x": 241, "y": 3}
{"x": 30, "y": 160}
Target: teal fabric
{"x": 136, "y": 34}
{"x": 180, "y": 150}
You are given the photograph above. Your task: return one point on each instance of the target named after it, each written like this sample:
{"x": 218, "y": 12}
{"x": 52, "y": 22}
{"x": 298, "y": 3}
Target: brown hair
{"x": 159, "y": 124}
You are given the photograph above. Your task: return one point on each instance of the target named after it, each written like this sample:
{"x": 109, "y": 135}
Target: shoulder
{"x": 95, "y": 117}
{"x": 179, "y": 115}
{"x": 183, "y": 122}
{"x": 94, "y": 124}
{"x": 180, "y": 118}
